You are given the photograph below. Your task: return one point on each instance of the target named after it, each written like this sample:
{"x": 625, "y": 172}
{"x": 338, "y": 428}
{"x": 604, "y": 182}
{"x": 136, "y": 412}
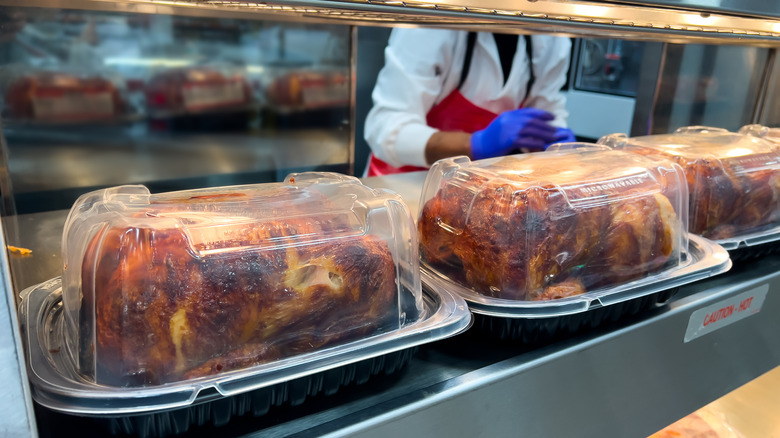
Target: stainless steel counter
{"x": 628, "y": 379}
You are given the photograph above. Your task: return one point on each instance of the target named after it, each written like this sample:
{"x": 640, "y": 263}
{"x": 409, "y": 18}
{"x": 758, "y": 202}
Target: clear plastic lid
{"x": 160, "y": 288}
{"x": 555, "y": 224}
{"x": 733, "y": 179}
{"x": 765, "y": 132}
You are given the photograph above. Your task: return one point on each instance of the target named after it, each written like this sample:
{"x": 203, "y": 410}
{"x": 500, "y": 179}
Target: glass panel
{"x": 713, "y": 86}
{"x": 608, "y": 66}
{"x": 94, "y": 99}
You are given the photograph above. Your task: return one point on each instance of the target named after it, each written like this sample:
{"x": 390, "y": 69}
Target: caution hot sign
{"x": 711, "y": 318}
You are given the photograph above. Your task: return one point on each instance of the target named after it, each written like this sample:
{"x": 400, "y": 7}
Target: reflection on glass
{"x": 94, "y": 99}
{"x": 710, "y": 85}
{"x": 608, "y": 66}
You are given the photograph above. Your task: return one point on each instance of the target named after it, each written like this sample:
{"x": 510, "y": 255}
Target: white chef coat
{"x": 423, "y": 66}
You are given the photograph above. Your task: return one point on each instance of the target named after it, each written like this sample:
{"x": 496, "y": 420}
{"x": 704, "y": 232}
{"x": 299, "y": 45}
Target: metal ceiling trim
{"x": 574, "y": 18}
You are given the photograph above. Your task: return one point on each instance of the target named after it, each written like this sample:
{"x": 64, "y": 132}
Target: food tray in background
{"x": 541, "y": 321}
{"x": 174, "y": 408}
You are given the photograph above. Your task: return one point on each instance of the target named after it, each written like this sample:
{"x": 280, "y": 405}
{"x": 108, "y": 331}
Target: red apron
{"x": 454, "y": 113}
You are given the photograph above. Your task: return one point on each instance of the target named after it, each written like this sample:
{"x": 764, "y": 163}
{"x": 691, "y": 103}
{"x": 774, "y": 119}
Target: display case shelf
{"x": 631, "y": 378}
{"x": 679, "y": 22}
{"x": 631, "y": 381}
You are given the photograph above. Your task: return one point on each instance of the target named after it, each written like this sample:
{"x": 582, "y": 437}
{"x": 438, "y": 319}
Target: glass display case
{"x": 190, "y": 94}
{"x": 96, "y": 99}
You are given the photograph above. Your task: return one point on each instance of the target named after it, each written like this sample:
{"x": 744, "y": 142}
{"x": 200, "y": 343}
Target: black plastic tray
{"x": 533, "y": 331}
{"x": 256, "y": 403}
{"x": 747, "y": 253}
{"x": 752, "y": 246}
{"x": 213, "y": 401}
{"x": 539, "y": 322}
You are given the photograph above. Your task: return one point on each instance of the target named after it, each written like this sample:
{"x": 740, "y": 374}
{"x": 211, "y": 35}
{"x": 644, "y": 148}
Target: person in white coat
{"x": 444, "y": 93}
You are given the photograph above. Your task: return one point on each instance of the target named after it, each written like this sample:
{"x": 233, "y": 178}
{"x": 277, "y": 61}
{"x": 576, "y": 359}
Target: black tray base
{"x": 219, "y": 412}
{"x": 535, "y": 331}
{"x": 747, "y": 253}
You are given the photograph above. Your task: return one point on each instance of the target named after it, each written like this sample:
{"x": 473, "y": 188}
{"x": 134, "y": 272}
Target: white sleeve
{"x": 417, "y": 61}
{"x": 551, "y": 56}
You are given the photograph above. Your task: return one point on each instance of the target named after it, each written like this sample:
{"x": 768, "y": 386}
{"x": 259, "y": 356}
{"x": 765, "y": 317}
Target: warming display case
{"x": 191, "y": 94}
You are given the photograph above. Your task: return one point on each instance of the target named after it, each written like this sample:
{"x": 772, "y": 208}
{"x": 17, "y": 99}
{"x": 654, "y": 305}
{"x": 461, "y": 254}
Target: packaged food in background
{"x": 733, "y": 179}
{"x": 160, "y": 288}
{"x": 63, "y": 95}
{"x": 308, "y": 88}
{"x": 197, "y": 89}
{"x": 554, "y": 224}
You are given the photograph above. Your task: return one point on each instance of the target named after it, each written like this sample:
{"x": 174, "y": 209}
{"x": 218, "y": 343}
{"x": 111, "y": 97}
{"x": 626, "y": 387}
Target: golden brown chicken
{"x": 733, "y": 180}
{"x": 170, "y": 305}
{"x": 520, "y": 236}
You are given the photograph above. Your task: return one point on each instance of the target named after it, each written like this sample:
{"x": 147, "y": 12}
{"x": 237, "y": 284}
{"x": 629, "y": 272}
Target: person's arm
{"x": 445, "y": 144}
{"x": 415, "y": 76}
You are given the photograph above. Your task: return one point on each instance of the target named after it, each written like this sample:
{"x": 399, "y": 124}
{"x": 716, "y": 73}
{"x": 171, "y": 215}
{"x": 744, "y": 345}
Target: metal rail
{"x": 689, "y": 22}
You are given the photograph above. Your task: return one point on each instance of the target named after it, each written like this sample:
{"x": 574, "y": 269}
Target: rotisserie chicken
{"x": 529, "y": 229}
{"x": 207, "y": 292}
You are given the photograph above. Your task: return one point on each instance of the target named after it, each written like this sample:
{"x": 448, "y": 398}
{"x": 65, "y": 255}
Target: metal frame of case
{"x": 626, "y": 382}
{"x": 688, "y": 21}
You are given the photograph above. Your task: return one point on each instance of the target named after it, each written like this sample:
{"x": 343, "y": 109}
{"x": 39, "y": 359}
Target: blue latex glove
{"x": 562, "y": 135}
{"x": 525, "y": 128}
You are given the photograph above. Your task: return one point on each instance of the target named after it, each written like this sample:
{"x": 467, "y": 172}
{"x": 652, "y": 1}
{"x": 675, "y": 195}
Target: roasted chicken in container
{"x": 161, "y": 288}
{"x": 552, "y": 225}
{"x": 733, "y": 179}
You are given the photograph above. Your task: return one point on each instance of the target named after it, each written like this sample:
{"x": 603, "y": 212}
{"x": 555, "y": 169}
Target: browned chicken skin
{"x": 163, "y": 312}
{"x": 527, "y": 241}
{"x": 725, "y": 199}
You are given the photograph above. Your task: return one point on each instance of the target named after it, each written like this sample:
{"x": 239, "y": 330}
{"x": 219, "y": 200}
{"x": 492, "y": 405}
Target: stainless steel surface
{"x": 628, "y": 382}
{"x": 18, "y": 418}
{"x": 683, "y": 23}
{"x": 756, "y": 8}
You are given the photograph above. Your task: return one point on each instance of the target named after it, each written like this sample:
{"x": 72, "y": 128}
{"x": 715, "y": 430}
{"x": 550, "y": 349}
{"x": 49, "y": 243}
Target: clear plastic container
{"x": 733, "y": 179}
{"x": 552, "y": 225}
{"x": 765, "y": 132}
{"x": 160, "y": 288}
{"x": 174, "y": 407}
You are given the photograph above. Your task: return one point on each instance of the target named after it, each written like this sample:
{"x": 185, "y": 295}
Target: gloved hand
{"x": 521, "y": 128}
{"x": 562, "y": 135}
